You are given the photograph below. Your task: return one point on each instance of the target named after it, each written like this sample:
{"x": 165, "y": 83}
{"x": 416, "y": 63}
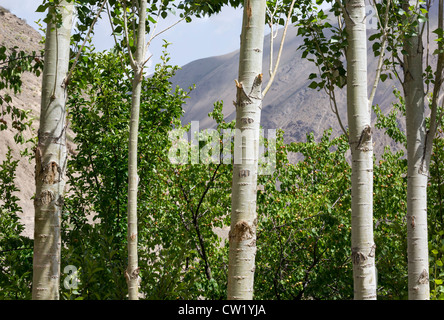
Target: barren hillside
{"x": 15, "y": 32}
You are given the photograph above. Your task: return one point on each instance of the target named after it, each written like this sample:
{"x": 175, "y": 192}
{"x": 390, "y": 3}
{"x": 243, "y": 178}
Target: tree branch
{"x": 381, "y": 57}
{"x": 290, "y": 12}
{"x": 68, "y": 77}
{"x": 125, "y": 27}
{"x": 115, "y": 39}
{"x": 434, "y": 117}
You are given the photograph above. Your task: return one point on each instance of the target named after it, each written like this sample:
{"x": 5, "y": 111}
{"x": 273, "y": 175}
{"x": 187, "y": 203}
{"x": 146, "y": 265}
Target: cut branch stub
{"x": 244, "y": 99}
{"x": 241, "y": 231}
{"x": 241, "y": 96}
{"x": 132, "y": 275}
{"x": 256, "y": 89}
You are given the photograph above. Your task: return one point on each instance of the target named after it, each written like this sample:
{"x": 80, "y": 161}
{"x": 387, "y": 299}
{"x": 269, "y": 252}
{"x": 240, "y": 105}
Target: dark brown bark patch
{"x": 249, "y": 12}
{"x": 46, "y": 197}
{"x": 241, "y": 231}
{"x": 51, "y": 173}
{"x": 358, "y": 257}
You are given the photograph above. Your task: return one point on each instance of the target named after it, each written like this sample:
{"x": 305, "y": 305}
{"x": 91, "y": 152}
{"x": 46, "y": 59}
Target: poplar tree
{"x": 420, "y": 137}
{"x": 242, "y": 236}
{"x": 361, "y": 146}
{"x": 51, "y": 154}
{"x": 137, "y": 64}
{"x": 350, "y": 42}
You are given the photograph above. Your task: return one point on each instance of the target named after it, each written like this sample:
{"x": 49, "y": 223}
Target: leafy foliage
{"x": 303, "y": 233}
{"x": 176, "y": 217}
{"x": 15, "y": 249}
{"x": 303, "y": 208}
{"x": 13, "y": 63}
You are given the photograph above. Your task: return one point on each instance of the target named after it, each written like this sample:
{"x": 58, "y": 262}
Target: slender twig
{"x": 428, "y": 42}
{"x": 125, "y": 28}
{"x": 290, "y": 12}
{"x": 68, "y": 77}
{"x": 272, "y": 35}
{"x": 336, "y": 111}
{"x": 166, "y": 29}
{"x": 133, "y": 24}
{"x": 115, "y": 39}
{"x": 434, "y": 117}
{"x": 159, "y": 33}
{"x": 382, "y": 53}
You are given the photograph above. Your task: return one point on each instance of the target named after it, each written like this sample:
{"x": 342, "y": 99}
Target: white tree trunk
{"x": 417, "y": 245}
{"x": 242, "y": 237}
{"x": 360, "y": 135}
{"x": 51, "y": 158}
{"x": 132, "y": 271}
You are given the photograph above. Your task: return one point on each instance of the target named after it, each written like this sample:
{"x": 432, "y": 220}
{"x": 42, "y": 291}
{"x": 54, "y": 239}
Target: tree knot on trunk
{"x": 423, "y": 277}
{"x": 51, "y": 173}
{"x": 256, "y": 89}
{"x": 412, "y": 221}
{"x": 132, "y": 275}
{"x": 46, "y": 197}
{"x": 358, "y": 257}
{"x": 364, "y": 139}
{"x": 241, "y": 231}
{"x": 242, "y": 98}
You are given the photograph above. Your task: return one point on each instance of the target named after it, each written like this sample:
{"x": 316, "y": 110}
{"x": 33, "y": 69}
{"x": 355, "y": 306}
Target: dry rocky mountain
{"x": 15, "y": 32}
{"x": 289, "y": 105}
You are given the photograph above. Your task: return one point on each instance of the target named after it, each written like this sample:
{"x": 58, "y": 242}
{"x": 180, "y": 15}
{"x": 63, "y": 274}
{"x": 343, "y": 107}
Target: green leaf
{"x": 313, "y": 85}
{"x": 151, "y": 19}
{"x": 42, "y": 8}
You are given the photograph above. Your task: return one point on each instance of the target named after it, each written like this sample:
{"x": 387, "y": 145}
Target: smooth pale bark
{"x": 417, "y": 246}
{"x": 360, "y": 135}
{"x": 51, "y": 158}
{"x": 132, "y": 270}
{"x": 242, "y": 236}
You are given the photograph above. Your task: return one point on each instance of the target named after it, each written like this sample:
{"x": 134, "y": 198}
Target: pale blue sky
{"x": 201, "y": 38}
